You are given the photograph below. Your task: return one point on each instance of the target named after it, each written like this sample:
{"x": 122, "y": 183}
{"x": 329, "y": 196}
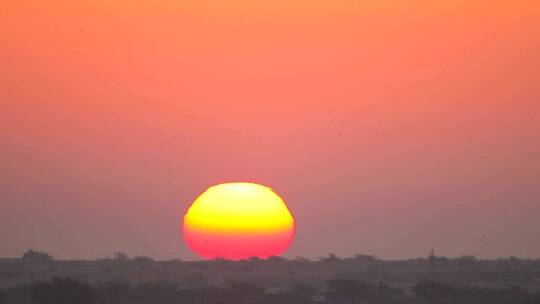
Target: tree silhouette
{"x": 143, "y": 260}
{"x": 276, "y": 259}
{"x": 364, "y": 258}
{"x": 36, "y": 256}
{"x": 120, "y": 256}
{"x": 331, "y": 258}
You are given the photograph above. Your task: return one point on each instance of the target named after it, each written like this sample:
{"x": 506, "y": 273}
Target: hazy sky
{"x": 389, "y": 127}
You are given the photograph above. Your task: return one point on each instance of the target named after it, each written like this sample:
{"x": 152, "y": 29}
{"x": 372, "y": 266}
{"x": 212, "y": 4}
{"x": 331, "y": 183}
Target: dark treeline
{"x": 37, "y": 278}
{"x": 336, "y": 291}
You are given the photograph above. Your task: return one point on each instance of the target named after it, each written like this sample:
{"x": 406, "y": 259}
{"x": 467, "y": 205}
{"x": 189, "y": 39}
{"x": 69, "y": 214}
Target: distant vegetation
{"x": 36, "y": 256}
{"x": 336, "y": 291}
{"x": 38, "y": 278}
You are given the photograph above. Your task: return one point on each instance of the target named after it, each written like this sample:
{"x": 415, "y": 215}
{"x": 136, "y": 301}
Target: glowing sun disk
{"x": 238, "y": 220}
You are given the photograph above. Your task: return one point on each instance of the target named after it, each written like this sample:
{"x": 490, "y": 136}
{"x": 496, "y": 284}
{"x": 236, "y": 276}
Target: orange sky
{"x": 390, "y": 127}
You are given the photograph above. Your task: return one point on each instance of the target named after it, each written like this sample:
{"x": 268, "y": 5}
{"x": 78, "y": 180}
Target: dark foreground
{"x": 37, "y": 278}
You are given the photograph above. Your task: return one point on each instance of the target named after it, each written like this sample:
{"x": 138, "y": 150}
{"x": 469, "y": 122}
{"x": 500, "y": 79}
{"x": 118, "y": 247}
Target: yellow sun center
{"x": 236, "y": 220}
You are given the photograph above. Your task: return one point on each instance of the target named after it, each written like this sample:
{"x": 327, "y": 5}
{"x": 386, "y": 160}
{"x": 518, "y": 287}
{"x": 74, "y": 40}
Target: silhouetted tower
{"x": 432, "y": 259}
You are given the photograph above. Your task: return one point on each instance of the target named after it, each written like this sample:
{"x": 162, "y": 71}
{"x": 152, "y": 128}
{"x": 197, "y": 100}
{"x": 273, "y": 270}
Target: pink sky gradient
{"x": 389, "y": 127}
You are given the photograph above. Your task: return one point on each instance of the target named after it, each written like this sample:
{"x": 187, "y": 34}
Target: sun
{"x": 237, "y": 221}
